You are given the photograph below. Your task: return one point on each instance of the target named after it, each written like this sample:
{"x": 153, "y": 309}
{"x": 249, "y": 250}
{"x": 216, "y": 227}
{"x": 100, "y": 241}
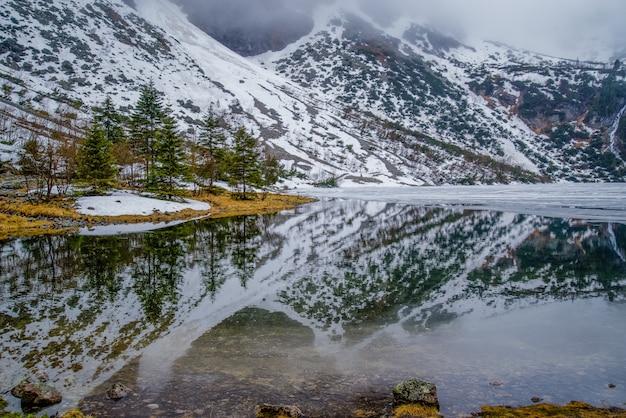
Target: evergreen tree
{"x": 171, "y": 163}
{"x": 111, "y": 121}
{"x": 271, "y": 170}
{"x": 95, "y": 159}
{"x": 212, "y": 148}
{"x": 244, "y": 166}
{"x": 146, "y": 121}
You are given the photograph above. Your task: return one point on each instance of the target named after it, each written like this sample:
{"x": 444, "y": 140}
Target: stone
{"x": 36, "y": 395}
{"x": 117, "y": 391}
{"x": 277, "y": 411}
{"x": 416, "y": 391}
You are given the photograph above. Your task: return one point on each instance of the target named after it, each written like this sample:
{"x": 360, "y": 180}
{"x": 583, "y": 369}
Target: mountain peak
{"x": 338, "y": 95}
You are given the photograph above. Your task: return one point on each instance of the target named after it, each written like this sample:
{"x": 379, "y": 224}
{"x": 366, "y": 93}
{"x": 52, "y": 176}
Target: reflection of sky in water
{"x": 332, "y": 303}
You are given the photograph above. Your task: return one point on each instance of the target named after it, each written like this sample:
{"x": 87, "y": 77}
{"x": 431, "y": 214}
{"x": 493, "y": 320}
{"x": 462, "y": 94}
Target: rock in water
{"x": 277, "y": 411}
{"x": 416, "y": 391}
{"x": 117, "y": 391}
{"x": 36, "y": 395}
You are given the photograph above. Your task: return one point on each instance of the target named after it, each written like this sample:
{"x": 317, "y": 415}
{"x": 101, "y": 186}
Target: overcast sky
{"x": 584, "y": 29}
{"x": 564, "y": 28}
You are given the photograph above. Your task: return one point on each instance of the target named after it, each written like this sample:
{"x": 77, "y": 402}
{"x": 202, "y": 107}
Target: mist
{"x": 574, "y": 29}
{"x": 584, "y": 29}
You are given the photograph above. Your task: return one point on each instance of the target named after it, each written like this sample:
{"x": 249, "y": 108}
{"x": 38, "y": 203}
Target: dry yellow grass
{"x": 415, "y": 410}
{"x": 11, "y": 225}
{"x": 23, "y": 218}
{"x": 572, "y": 409}
{"x": 53, "y": 209}
{"x": 225, "y": 205}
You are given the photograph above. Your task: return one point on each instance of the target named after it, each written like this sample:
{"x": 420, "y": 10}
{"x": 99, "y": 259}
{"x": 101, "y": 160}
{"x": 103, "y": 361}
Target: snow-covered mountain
{"x": 343, "y": 97}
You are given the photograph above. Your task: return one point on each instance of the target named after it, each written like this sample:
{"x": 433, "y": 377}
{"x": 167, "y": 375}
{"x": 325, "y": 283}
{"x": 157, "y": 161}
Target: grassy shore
{"x": 19, "y": 217}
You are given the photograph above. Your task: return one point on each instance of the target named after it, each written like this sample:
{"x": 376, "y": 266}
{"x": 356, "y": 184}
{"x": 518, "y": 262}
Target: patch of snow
{"x": 127, "y": 203}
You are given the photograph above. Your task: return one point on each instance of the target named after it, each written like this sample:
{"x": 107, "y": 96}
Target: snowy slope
{"x": 483, "y": 96}
{"x": 353, "y": 101}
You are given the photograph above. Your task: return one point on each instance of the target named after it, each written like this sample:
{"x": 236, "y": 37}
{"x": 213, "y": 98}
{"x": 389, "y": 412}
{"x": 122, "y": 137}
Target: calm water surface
{"x": 326, "y": 307}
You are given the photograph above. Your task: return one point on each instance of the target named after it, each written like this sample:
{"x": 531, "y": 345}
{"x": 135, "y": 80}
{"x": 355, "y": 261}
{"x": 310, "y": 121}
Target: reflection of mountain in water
{"x": 82, "y": 307}
{"x": 431, "y": 265}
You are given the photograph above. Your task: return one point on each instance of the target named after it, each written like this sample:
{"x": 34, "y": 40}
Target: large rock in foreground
{"x": 36, "y": 395}
{"x": 416, "y": 391}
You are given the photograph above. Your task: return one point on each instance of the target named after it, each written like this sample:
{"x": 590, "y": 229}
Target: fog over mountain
{"x": 575, "y": 29}
{"x": 340, "y": 92}
{"x": 251, "y": 27}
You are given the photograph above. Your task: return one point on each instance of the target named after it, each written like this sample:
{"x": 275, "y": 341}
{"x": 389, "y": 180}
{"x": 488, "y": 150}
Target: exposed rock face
{"x": 416, "y": 391}
{"x": 277, "y": 411}
{"x": 117, "y": 391}
{"x": 36, "y": 395}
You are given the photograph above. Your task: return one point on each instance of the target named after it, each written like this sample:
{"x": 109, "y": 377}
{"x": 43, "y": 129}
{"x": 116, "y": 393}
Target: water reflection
{"x": 342, "y": 297}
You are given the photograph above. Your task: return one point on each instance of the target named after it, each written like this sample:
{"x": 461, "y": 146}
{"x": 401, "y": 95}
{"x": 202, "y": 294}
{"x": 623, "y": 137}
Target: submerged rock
{"x": 278, "y": 411}
{"x": 416, "y": 391}
{"x": 36, "y": 395}
{"x": 117, "y": 391}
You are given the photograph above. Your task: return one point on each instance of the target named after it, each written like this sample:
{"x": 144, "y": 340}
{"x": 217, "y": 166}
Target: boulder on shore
{"x": 416, "y": 391}
{"x": 36, "y": 395}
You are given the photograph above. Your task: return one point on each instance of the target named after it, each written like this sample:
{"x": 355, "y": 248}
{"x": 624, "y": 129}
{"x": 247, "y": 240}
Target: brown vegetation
{"x": 224, "y": 205}
{"x": 572, "y": 409}
{"x": 24, "y": 218}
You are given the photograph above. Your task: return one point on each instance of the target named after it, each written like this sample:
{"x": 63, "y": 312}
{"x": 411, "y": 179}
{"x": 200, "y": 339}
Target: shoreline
{"x": 21, "y": 218}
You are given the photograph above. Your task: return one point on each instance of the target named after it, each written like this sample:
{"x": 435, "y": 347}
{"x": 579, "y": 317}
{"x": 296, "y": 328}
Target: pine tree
{"x": 95, "y": 159}
{"x": 244, "y": 164}
{"x": 212, "y": 148}
{"x": 111, "y": 121}
{"x": 271, "y": 170}
{"x": 146, "y": 121}
{"x": 171, "y": 163}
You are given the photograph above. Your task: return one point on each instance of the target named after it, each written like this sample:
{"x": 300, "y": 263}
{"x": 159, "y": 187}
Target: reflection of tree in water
{"x": 101, "y": 260}
{"x": 244, "y": 246}
{"x": 210, "y": 250}
{"x": 59, "y": 293}
{"x": 42, "y": 267}
{"x": 159, "y": 271}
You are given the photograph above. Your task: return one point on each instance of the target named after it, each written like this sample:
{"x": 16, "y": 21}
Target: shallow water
{"x": 326, "y": 307}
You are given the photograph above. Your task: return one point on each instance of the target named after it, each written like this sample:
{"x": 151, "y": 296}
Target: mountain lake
{"x": 496, "y": 295}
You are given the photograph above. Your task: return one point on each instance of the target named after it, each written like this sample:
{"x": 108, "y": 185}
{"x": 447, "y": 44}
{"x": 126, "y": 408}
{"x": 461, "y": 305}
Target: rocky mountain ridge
{"x": 350, "y": 101}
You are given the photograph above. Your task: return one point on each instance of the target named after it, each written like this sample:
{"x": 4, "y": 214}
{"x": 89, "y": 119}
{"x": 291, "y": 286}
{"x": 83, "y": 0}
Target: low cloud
{"x": 585, "y": 29}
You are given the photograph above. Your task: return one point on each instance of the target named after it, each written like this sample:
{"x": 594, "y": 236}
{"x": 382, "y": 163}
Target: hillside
{"x": 349, "y": 101}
